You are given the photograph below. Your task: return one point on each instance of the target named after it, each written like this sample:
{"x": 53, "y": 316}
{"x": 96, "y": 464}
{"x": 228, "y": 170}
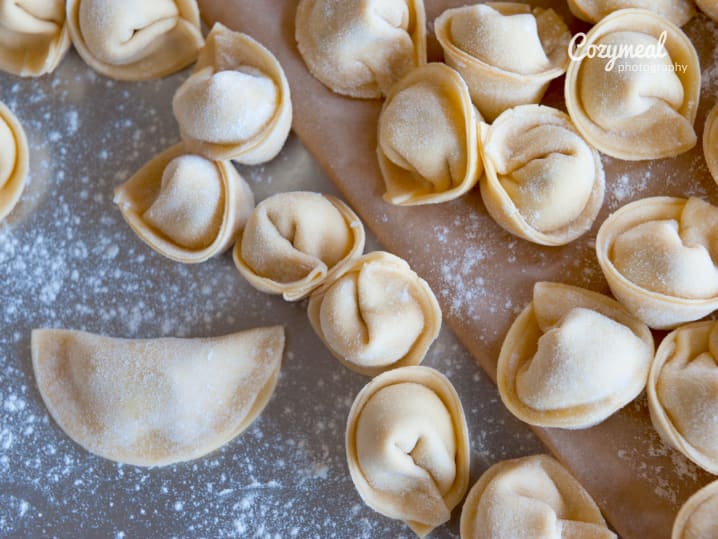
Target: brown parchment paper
{"x": 482, "y": 275}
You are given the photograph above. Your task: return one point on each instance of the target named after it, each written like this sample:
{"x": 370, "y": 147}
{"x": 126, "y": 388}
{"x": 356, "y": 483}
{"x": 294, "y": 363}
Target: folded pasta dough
{"x": 185, "y": 206}
{"x": 659, "y": 258}
{"x": 135, "y": 39}
{"x": 158, "y": 401}
{"x": 507, "y": 52}
{"x": 531, "y": 497}
{"x": 709, "y": 7}
{"x": 710, "y": 142}
{"x": 635, "y": 106}
{"x": 543, "y": 182}
{"x": 677, "y": 11}
{"x": 360, "y": 48}
{"x": 698, "y": 517}
{"x": 572, "y": 358}
{"x": 236, "y": 104}
{"x": 293, "y": 242}
{"x": 408, "y": 447}
{"x": 428, "y": 139}
{"x": 377, "y": 315}
{"x": 33, "y": 36}
{"x": 14, "y": 160}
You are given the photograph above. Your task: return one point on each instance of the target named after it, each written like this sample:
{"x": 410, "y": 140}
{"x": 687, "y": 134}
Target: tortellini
{"x": 377, "y": 315}
{"x": 698, "y": 518}
{"x": 293, "y": 242}
{"x": 185, "y": 206}
{"x": 710, "y": 142}
{"x": 428, "y": 138}
{"x": 408, "y": 447}
{"x": 507, "y": 52}
{"x": 543, "y": 182}
{"x": 572, "y": 358}
{"x": 135, "y": 39}
{"x": 659, "y": 258}
{"x": 236, "y": 104}
{"x": 532, "y": 497}
{"x": 360, "y": 48}
{"x": 157, "y": 401}
{"x": 709, "y": 7}
{"x": 14, "y": 161}
{"x": 33, "y": 36}
{"x": 677, "y": 11}
{"x": 635, "y": 106}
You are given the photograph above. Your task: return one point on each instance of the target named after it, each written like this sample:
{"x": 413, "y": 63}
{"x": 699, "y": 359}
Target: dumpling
{"x": 184, "y": 206}
{"x": 659, "y": 257}
{"x": 572, "y": 358}
{"x": 636, "y": 106}
{"x": 507, "y": 52}
{"x": 33, "y": 36}
{"x": 543, "y": 182}
{"x": 14, "y": 161}
{"x": 408, "y": 447}
{"x": 428, "y": 139}
{"x": 710, "y": 142}
{"x": 377, "y": 315}
{"x": 157, "y": 401}
{"x": 360, "y": 48}
{"x": 135, "y": 39}
{"x": 709, "y": 7}
{"x": 698, "y": 518}
{"x": 532, "y": 497}
{"x": 293, "y": 242}
{"x": 236, "y": 104}
{"x": 677, "y": 11}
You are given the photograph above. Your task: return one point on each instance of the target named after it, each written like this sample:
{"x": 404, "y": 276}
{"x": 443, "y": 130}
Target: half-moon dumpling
{"x": 659, "y": 257}
{"x": 677, "y": 11}
{"x": 709, "y": 7}
{"x": 360, "y": 48}
{"x": 14, "y": 161}
{"x": 710, "y": 142}
{"x": 428, "y": 138}
{"x": 543, "y": 182}
{"x": 377, "y": 315}
{"x": 135, "y": 39}
{"x": 635, "y": 106}
{"x": 185, "y": 206}
{"x": 532, "y": 497}
{"x": 408, "y": 447}
{"x": 507, "y": 52}
{"x": 572, "y": 358}
{"x": 698, "y": 518}
{"x": 295, "y": 241}
{"x": 157, "y": 401}
{"x": 33, "y": 36}
{"x": 236, "y": 104}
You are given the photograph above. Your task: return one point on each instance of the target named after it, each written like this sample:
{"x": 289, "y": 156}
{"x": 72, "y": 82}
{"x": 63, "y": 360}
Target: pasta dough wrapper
{"x": 408, "y": 447}
{"x": 14, "y": 161}
{"x": 677, "y": 11}
{"x": 710, "y": 142}
{"x": 698, "y": 517}
{"x": 157, "y": 401}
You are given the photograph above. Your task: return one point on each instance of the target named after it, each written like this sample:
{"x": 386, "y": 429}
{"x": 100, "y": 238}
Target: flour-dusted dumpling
{"x": 185, "y": 206}
{"x": 698, "y": 518}
{"x": 572, "y": 358}
{"x": 710, "y": 142}
{"x": 14, "y": 161}
{"x": 659, "y": 257}
{"x": 677, "y": 11}
{"x": 638, "y": 106}
{"x": 236, "y": 104}
{"x": 360, "y": 48}
{"x": 135, "y": 39}
{"x": 157, "y": 401}
{"x": 543, "y": 182}
{"x": 293, "y": 242}
{"x": 532, "y": 497}
{"x": 33, "y": 36}
{"x": 507, "y": 52}
{"x": 377, "y": 315}
{"x": 709, "y": 7}
{"x": 428, "y": 138}
{"x": 408, "y": 447}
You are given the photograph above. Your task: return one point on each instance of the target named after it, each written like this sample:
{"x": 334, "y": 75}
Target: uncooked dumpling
{"x": 408, "y": 447}
{"x": 295, "y": 241}
{"x": 710, "y": 142}
{"x": 157, "y": 401}
{"x": 377, "y": 315}
{"x": 360, "y": 48}
{"x": 532, "y": 497}
{"x": 135, "y": 39}
{"x": 33, "y": 36}
{"x": 698, "y": 518}
{"x": 184, "y": 206}
{"x": 428, "y": 140}
{"x": 572, "y": 358}
{"x": 236, "y": 104}
{"x": 543, "y": 182}
{"x": 677, "y": 11}
{"x": 14, "y": 161}
{"x": 507, "y": 52}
